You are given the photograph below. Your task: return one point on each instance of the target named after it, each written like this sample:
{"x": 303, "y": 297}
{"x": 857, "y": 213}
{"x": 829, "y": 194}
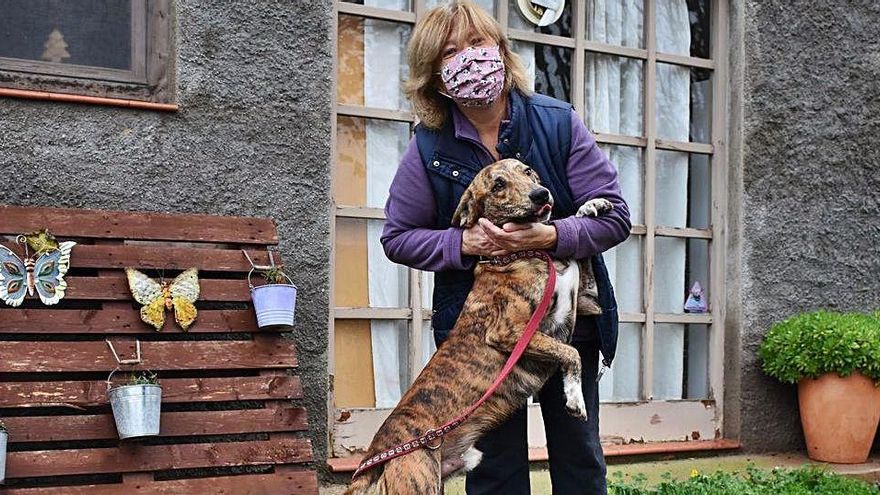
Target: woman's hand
{"x": 475, "y": 242}
{"x": 514, "y": 237}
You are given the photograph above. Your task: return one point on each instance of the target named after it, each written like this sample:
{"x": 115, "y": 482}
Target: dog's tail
{"x": 365, "y": 484}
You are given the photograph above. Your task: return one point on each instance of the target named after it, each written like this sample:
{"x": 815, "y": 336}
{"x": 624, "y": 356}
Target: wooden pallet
{"x": 227, "y": 424}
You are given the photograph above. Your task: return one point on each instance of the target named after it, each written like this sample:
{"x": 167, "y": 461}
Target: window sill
{"x": 91, "y": 100}
{"x": 349, "y": 464}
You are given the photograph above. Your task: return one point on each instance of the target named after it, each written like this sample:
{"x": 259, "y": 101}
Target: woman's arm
{"x": 590, "y": 175}
{"x": 409, "y": 237}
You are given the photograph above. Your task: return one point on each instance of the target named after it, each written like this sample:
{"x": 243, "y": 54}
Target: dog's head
{"x": 506, "y": 191}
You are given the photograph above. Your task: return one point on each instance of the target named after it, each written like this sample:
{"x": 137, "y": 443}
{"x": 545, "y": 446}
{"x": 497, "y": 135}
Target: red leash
{"x": 426, "y": 440}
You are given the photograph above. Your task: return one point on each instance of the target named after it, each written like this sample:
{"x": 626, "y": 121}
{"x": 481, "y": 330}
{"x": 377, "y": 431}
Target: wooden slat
{"x": 265, "y": 351}
{"x": 287, "y": 483}
{"x": 64, "y": 222}
{"x": 119, "y": 321}
{"x": 160, "y": 257}
{"x": 94, "y": 393}
{"x": 173, "y": 424}
{"x": 139, "y": 458}
{"x": 115, "y": 288}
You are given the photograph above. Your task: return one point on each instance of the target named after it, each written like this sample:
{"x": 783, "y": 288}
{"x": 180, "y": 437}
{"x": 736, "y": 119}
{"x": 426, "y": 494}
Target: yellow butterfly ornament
{"x": 180, "y": 295}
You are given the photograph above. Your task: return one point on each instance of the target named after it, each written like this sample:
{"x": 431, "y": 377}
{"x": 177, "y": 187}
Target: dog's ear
{"x": 468, "y": 211}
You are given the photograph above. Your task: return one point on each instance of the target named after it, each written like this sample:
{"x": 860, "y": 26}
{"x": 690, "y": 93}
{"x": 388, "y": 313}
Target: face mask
{"x": 474, "y": 77}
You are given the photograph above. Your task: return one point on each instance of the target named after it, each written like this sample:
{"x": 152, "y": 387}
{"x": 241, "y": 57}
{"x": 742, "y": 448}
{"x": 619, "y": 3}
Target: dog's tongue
{"x": 544, "y": 209}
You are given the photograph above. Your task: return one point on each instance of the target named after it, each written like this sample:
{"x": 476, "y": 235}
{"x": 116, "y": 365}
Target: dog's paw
{"x": 595, "y": 207}
{"x": 471, "y": 458}
{"x": 574, "y": 398}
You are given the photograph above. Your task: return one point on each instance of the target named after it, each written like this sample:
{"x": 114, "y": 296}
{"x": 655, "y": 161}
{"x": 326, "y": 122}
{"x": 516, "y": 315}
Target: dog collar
{"x": 510, "y": 258}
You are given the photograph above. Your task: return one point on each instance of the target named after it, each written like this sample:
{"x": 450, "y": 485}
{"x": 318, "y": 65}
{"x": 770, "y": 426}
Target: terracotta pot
{"x": 839, "y": 417}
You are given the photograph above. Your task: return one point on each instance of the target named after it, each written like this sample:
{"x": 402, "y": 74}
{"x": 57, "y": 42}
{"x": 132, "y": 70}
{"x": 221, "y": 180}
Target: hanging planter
{"x": 4, "y": 436}
{"x": 275, "y": 301}
{"x": 137, "y": 405}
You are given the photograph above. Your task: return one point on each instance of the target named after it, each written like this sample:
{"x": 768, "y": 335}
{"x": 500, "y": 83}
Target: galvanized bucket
{"x": 136, "y": 410}
{"x": 275, "y": 304}
{"x": 3, "y": 437}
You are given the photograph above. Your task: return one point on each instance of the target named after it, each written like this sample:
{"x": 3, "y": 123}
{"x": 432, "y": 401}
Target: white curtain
{"x": 384, "y": 70}
{"x": 384, "y": 67}
{"x": 614, "y": 104}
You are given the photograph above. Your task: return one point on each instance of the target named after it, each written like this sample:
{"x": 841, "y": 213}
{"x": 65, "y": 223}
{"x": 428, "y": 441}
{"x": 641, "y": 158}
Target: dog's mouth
{"x": 539, "y": 214}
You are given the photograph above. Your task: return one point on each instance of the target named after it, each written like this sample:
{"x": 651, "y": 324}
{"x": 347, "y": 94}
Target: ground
{"x": 681, "y": 469}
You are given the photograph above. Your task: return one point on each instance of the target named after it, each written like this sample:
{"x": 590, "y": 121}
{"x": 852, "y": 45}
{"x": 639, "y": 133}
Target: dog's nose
{"x": 540, "y": 196}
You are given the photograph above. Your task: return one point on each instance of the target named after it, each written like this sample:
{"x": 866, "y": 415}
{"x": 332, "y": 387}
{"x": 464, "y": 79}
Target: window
{"x": 648, "y": 77}
{"x": 105, "y": 48}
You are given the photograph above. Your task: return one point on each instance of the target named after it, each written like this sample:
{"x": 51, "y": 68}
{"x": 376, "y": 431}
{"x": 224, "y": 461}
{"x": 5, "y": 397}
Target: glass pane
{"x": 548, "y": 66}
{"x": 385, "y": 4}
{"x": 95, "y": 33}
{"x": 614, "y": 96}
{"x": 427, "y": 290}
{"x": 683, "y": 27}
{"x": 631, "y": 170}
{"x": 367, "y": 154}
{"x": 616, "y": 22}
{"x": 625, "y": 264}
{"x": 620, "y": 383}
{"x": 679, "y": 264}
{"x": 372, "y": 362}
{"x": 428, "y": 345}
{"x": 372, "y": 62}
{"x": 488, "y": 5}
{"x": 683, "y": 197}
{"x": 684, "y": 103}
{"x": 681, "y": 361}
{"x": 696, "y": 357}
{"x": 364, "y": 277}
{"x": 561, "y": 27}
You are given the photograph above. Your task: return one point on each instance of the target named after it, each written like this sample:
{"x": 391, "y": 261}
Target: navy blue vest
{"x": 539, "y": 135}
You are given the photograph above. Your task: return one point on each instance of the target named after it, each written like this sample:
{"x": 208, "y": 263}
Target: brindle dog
{"x": 494, "y": 316}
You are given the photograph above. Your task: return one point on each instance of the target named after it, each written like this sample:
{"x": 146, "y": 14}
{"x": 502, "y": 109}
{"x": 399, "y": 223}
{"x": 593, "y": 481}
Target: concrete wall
{"x": 810, "y": 176}
{"x": 252, "y": 137}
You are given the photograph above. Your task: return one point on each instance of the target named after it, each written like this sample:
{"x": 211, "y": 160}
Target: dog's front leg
{"x": 545, "y": 348}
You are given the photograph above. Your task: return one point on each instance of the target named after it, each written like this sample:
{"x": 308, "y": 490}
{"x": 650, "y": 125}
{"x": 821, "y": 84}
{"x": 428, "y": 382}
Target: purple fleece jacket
{"x": 410, "y": 238}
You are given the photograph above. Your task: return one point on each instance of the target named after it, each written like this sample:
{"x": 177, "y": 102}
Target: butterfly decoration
{"x": 180, "y": 295}
{"x": 43, "y": 273}
{"x": 696, "y": 303}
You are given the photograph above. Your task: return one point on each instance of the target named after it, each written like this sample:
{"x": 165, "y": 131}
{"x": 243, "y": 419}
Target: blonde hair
{"x": 458, "y": 17}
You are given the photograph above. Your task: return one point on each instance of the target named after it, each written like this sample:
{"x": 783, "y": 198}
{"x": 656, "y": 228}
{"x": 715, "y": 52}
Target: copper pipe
{"x": 92, "y": 100}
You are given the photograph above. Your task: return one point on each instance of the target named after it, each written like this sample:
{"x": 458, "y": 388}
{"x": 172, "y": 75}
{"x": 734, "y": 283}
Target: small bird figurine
{"x": 696, "y": 303}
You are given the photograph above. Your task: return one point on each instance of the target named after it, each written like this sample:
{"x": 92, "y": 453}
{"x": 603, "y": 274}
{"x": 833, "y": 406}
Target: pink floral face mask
{"x": 474, "y": 77}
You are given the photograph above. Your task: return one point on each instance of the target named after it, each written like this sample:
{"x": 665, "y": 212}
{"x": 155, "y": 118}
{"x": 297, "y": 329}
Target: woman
{"x": 471, "y": 94}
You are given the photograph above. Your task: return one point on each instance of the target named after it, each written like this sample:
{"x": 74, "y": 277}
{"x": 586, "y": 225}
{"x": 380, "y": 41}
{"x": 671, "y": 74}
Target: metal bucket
{"x": 136, "y": 410}
{"x": 3, "y": 437}
{"x": 274, "y": 304}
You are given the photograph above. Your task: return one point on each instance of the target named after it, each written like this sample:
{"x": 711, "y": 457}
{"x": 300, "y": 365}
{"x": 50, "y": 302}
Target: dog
{"x": 494, "y": 316}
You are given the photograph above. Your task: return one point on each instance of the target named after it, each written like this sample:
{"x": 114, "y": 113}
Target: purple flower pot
{"x": 274, "y": 304}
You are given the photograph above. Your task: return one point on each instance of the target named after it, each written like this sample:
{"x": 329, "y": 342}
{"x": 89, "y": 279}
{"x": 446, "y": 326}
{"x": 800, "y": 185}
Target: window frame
{"x": 151, "y": 78}
{"x": 682, "y": 418}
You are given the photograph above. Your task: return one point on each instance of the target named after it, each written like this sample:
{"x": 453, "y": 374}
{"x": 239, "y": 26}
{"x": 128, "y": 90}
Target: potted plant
{"x": 835, "y": 360}
{"x": 136, "y": 406}
{"x": 275, "y": 301}
{"x": 4, "y": 436}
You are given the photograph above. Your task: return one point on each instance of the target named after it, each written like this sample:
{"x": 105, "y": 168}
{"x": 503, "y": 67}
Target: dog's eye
{"x": 499, "y": 184}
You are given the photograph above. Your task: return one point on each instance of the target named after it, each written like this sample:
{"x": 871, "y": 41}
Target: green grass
{"x": 741, "y": 480}
{"x": 753, "y": 481}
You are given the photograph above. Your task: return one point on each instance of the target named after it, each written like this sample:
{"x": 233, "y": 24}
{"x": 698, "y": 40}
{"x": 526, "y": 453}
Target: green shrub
{"x": 804, "y": 481}
{"x": 812, "y": 344}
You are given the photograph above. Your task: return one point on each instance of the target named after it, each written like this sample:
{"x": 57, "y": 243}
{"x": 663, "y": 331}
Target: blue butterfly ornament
{"x": 43, "y": 275}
